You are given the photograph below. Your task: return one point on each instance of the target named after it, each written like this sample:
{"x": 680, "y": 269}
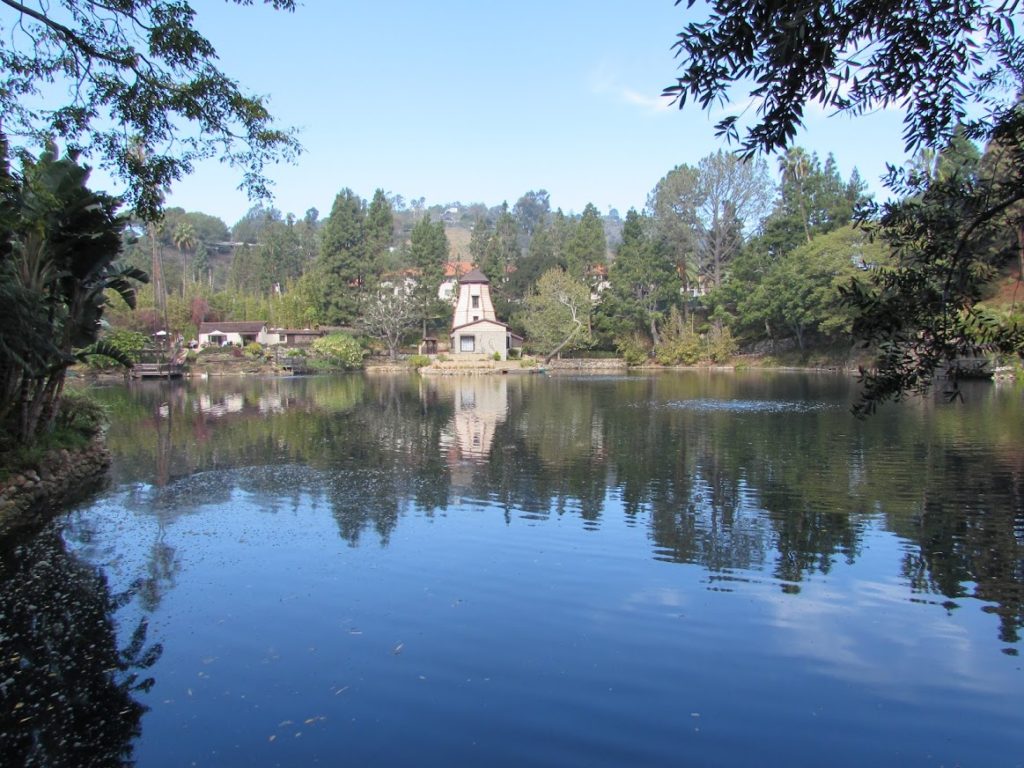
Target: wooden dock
{"x": 157, "y": 370}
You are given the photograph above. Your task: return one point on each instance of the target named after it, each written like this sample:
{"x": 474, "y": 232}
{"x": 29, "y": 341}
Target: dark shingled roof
{"x": 474, "y": 276}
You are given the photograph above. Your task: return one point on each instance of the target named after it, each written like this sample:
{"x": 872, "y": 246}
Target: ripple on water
{"x": 750, "y": 406}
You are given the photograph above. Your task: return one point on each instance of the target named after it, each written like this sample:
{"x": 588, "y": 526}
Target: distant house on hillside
{"x": 475, "y": 327}
{"x": 449, "y": 287}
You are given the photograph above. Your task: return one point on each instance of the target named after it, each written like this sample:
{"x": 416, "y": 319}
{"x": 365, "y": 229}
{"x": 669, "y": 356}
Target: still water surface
{"x": 689, "y": 569}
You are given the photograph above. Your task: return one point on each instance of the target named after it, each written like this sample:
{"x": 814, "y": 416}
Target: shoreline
{"x": 29, "y": 496}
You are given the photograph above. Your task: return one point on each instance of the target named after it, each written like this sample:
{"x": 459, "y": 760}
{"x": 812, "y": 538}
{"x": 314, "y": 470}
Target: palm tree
{"x": 184, "y": 238}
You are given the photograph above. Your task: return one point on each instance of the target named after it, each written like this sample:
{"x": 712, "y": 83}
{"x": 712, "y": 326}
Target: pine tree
{"x": 343, "y": 263}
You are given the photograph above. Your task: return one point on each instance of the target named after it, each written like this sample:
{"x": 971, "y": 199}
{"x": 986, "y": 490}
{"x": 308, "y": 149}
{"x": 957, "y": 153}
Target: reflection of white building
{"x": 480, "y": 404}
{"x": 221, "y": 406}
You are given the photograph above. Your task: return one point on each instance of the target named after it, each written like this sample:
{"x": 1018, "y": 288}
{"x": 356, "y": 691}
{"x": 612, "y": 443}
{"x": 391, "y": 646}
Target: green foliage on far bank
{"x": 339, "y": 350}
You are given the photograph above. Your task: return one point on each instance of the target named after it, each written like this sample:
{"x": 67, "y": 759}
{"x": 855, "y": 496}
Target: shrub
{"x": 341, "y": 349}
{"x": 721, "y": 345}
{"x": 496, "y": 356}
{"x": 253, "y": 349}
{"x": 419, "y": 361}
{"x": 633, "y": 349}
{"x": 683, "y": 350}
{"x": 78, "y": 412}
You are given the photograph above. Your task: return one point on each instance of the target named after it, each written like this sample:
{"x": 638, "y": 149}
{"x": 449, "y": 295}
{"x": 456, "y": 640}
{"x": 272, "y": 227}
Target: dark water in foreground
{"x": 687, "y": 569}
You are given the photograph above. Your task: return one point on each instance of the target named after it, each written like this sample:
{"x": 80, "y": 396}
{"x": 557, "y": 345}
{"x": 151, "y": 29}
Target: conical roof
{"x": 474, "y": 276}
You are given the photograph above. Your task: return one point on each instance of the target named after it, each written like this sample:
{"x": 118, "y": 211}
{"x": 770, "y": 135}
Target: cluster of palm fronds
{"x": 58, "y": 260}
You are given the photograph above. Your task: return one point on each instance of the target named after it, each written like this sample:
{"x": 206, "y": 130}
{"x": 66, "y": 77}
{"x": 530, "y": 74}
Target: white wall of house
{"x": 482, "y": 338}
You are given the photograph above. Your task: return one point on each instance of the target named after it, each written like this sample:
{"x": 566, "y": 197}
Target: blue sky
{"x": 479, "y": 102}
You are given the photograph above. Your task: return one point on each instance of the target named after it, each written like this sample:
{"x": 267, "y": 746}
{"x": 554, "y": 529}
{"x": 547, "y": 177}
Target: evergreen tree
{"x": 502, "y": 253}
{"x": 586, "y": 247}
{"x": 479, "y": 240}
{"x": 428, "y": 253}
{"x": 644, "y": 280}
{"x": 343, "y": 262}
{"x": 380, "y": 223}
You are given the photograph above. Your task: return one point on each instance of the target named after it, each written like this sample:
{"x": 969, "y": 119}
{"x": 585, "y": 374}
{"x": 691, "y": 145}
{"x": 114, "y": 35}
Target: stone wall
{"x": 27, "y": 497}
{"x": 587, "y": 365}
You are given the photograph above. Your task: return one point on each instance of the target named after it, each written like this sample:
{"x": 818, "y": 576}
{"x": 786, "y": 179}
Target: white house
{"x": 475, "y": 327}
{"x": 222, "y": 334}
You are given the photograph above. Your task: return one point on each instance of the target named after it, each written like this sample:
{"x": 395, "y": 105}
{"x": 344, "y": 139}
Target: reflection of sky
{"x": 640, "y": 624}
{"x": 526, "y": 631}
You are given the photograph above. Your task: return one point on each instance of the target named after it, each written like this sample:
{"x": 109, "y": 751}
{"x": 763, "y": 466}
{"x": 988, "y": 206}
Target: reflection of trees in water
{"x": 791, "y": 489}
{"x": 66, "y": 689}
{"x": 980, "y": 544}
{"x": 388, "y": 457}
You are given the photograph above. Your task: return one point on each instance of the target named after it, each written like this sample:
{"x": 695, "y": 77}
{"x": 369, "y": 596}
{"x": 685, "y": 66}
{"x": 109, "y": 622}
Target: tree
{"x": 558, "y": 314}
{"x": 644, "y": 280}
{"x": 428, "y": 252}
{"x": 801, "y": 291}
{"x": 342, "y": 261}
{"x": 502, "y": 252}
{"x": 950, "y": 235}
{"x": 672, "y": 206}
{"x": 853, "y": 56}
{"x": 479, "y": 239}
{"x": 145, "y": 97}
{"x": 531, "y": 211}
{"x": 380, "y": 222}
{"x": 701, "y": 214}
{"x": 60, "y": 245}
{"x": 952, "y": 66}
{"x": 340, "y": 348}
{"x": 185, "y": 239}
{"x": 586, "y": 247}
{"x": 248, "y": 228}
{"x": 733, "y": 194}
{"x": 388, "y": 314}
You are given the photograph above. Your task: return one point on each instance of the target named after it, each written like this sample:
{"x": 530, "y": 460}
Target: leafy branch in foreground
{"x": 957, "y": 69}
{"x": 144, "y": 96}
{"x": 950, "y": 235}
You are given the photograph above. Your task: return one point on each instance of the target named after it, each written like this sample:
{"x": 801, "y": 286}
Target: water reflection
{"x": 733, "y": 473}
{"x": 67, "y": 690}
{"x": 480, "y": 404}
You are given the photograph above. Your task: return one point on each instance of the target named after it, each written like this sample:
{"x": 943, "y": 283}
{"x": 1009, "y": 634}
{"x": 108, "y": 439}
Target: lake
{"x": 694, "y": 568}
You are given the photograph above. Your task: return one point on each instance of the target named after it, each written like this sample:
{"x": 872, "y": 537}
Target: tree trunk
{"x": 554, "y": 353}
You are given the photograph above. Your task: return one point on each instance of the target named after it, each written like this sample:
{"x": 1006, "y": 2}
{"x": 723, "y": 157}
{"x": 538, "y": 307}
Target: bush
{"x": 341, "y": 349}
{"x": 78, "y": 412}
{"x": 253, "y": 349}
{"x": 419, "y": 361}
{"x": 496, "y": 357}
{"x": 686, "y": 349}
{"x": 721, "y": 345}
{"x": 129, "y": 343}
{"x": 633, "y": 349}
